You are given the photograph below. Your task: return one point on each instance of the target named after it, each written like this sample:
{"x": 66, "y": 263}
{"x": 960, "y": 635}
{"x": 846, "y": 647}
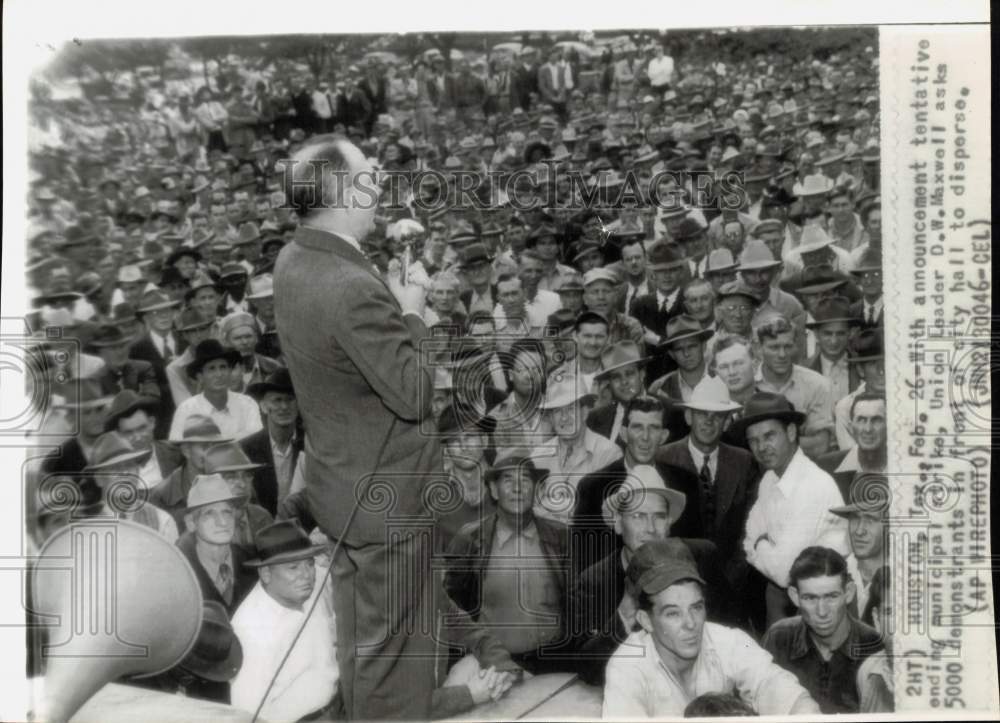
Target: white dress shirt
{"x": 794, "y": 512}
{"x": 661, "y": 70}
{"x": 556, "y": 496}
{"x": 266, "y": 629}
{"x": 239, "y": 418}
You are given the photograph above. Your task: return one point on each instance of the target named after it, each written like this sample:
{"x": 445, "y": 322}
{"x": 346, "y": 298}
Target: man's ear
{"x": 265, "y": 574}
{"x": 793, "y": 593}
{"x": 642, "y": 616}
{"x": 687, "y": 417}
{"x": 189, "y": 521}
{"x": 850, "y": 590}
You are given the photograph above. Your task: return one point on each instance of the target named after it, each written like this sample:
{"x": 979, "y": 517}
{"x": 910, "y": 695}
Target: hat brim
{"x": 240, "y": 500}
{"x": 157, "y": 307}
{"x": 201, "y": 440}
{"x": 236, "y": 468}
{"x": 758, "y": 266}
{"x": 631, "y": 362}
{"x": 866, "y": 358}
{"x": 820, "y": 288}
{"x": 221, "y": 671}
{"x": 676, "y": 502}
{"x": 559, "y": 403}
{"x": 120, "y": 459}
{"x": 230, "y": 355}
{"x": 702, "y": 334}
{"x": 851, "y": 320}
{"x": 146, "y": 404}
{"x": 717, "y": 407}
{"x": 259, "y": 389}
{"x": 291, "y": 556}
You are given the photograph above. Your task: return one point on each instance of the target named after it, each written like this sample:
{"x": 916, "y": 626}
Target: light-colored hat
{"x": 814, "y": 238}
{"x": 261, "y": 287}
{"x": 642, "y": 480}
{"x": 815, "y": 185}
{"x": 600, "y": 274}
{"x": 756, "y": 255}
{"x": 129, "y": 274}
{"x": 719, "y": 261}
{"x": 566, "y": 392}
{"x": 209, "y": 489}
{"x": 710, "y": 395}
{"x": 619, "y": 355}
{"x": 235, "y": 321}
{"x": 404, "y": 228}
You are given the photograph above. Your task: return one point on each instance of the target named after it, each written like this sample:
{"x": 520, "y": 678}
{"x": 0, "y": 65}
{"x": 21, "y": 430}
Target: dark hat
{"x": 123, "y": 313}
{"x": 280, "y": 380}
{"x": 283, "y": 541}
{"x": 621, "y": 354}
{"x": 688, "y": 229}
{"x": 452, "y": 422}
{"x": 108, "y": 335}
{"x": 665, "y": 255}
{"x": 738, "y": 288}
{"x": 817, "y": 279}
{"x": 201, "y": 429}
{"x": 684, "y": 327}
{"x": 867, "y": 345}
{"x": 462, "y": 233}
{"x": 127, "y": 403}
{"x": 217, "y": 654}
{"x": 210, "y": 350}
{"x": 540, "y": 232}
{"x": 111, "y": 449}
{"x": 474, "y": 253}
{"x": 837, "y": 308}
{"x": 233, "y": 268}
{"x": 658, "y": 564}
{"x": 180, "y": 253}
{"x": 561, "y": 321}
{"x": 228, "y": 457}
{"x": 763, "y": 406}
{"x": 193, "y": 319}
{"x": 871, "y": 260}
{"x": 153, "y": 300}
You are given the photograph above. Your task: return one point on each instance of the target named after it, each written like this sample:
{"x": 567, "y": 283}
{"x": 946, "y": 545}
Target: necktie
{"x": 168, "y": 355}
{"x": 871, "y": 316}
{"x": 707, "y": 496}
{"x": 225, "y": 582}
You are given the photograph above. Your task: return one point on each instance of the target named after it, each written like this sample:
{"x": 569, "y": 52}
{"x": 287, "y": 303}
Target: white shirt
{"x": 239, "y": 418}
{"x": 537, "y": 310}
{"x": 163, "y": 343}
{"x": 556, "y": 496}
{"x": 265, "y": 628}
{"x": 661, "y": 70}
{"x": 839, "y": 376}
{"x": 794, "y": 511}
{"x": 699, "y": 459}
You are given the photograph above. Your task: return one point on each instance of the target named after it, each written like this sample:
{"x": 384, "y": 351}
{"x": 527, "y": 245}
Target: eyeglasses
{"x": 738, "y": 309}
{"x": 874, "y": 274}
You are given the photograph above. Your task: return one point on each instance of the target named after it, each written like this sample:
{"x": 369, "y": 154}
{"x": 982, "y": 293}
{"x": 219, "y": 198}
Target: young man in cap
{"x": 120, "y": 372}
{"x": 236, "y": 414}
{"x": 208, "y": 544}
{"x": 868, "y": 356}
{"x": 277, "y": 446}
{"x": 241, "y": 332}
{"x": 824, "y": 645}
{"x": 792, "y": 510}
{"x": 134, "y": 418}
{"x": 573, "y": 452}
{"x": 600, "y": 294}
{"x": 758, "y": 271}
{"x": 809, "y": 391}
{"x": 868, "y": 455}
{"x": 280, "y": 615}
{"x": 511, "y": 570}
{"x": 684, "y": 343}
{"x": 867, "y": 522}
{"x": 726, "y": 476}
{"x": 623, "y": 369}
{"x": 678, "y": 655}
{"x": 194, "y": 326}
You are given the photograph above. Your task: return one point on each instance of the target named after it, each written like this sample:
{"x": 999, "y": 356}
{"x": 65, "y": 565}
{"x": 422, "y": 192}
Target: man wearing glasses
{"x": 823, "y": 645}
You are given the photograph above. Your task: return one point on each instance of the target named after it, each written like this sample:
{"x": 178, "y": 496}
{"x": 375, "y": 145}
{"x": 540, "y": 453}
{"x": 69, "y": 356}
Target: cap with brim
{"x": 201, "y": 430}
{"x": 125, "y": 404}
{"x": 623, "y": 354}
{"x": 684, "y": 327}
{"x": 600, "y": 274}
{"x": 111, "y": 449}
{"x": 658, "y": 564}
{"x": 283, "y": 541}
{"x": 515, "y": 458}
{"x": 738, "y": 288}
{"x": 217, "y": 654}
{"x": 764, "y": 406}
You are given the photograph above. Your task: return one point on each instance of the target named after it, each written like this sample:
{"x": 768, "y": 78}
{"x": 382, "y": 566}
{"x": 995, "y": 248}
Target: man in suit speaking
{"x": 351, "y": 343}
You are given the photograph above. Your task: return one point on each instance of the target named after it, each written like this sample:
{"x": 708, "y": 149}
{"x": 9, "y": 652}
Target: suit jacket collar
{"x": 332, "y": 243}
{"x": 725, "y": 483}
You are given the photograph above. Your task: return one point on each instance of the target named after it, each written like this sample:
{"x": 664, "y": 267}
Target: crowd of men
{"x": 663, "y": 414}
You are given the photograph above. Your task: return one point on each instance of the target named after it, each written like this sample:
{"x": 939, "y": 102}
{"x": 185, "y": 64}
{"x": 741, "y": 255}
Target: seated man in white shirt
{"x": 678, "y": 655}
{"x": 268, "y": 621}
{"x": 237, "y": 415}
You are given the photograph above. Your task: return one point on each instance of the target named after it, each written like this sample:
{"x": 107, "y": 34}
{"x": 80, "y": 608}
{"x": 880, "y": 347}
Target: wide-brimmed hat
{"x": 233, "y": 268}
{"x": 201, "y": 429}
{"x": 565, "y": 392}
{"x": 261, "y": 287}
{"x": 228, "y": 457}
{"x": 658, "y": 564}
{"x": 207, "y": 489}
{"x": 193, "y": 319}
{"x": 280, "y": 380}
{"x": 515, "y": 458}
{"x": 688, "y": 230}
{"x": 109, "y": 335}
{"x": 154, "y": 300}
{"x": 283, "y": 541}
{"x": 720, "y": 261}
{"x": 818, "y": 279}
{"x": 867, "y": 345}
{"x": 618, "y": 355}
{"x": 217, "y": 654}
{"x": 80, "y": 394}
{"x": 474, "y": 253}
{"x": 871, "y": 260}
{"x": 209, "y": 350}
{"x": 249, "y": 233}
{"x": 814, "y": 238}
{"x": 763, "y": 406}
{"x": 684, "y": 326}
{"x": 665, "y": 255}
{"x": 756, "y": 255}
{"x": 642, "y": 480}
{"x": 833, "y": 309}
{"x": 125, "y": 404}
{"x": 709, "y": 395}
{"x": 815, "y": 185}
{"x": 738, "y": 288}
{"x": 112, "y": 449}
{"x": 180, "y": 253}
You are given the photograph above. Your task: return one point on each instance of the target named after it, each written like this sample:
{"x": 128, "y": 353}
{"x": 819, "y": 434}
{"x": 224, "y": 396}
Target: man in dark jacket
{"x": 276, "y": 447}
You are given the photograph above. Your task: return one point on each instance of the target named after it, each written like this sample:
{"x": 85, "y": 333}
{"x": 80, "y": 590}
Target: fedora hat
{"x": 200, "y": 429}
{"x": 228, "y": 457}
{"x": 642, "y": 480}
{"x": 180, "y": 253}
{"x": 130, "y": 274}
{"x": 569, "y": 283}
{"x": 474, "y": 253}
{"x": 720, "y": 261}
{"x": 201, "y": 280}
{"x": 837, "y": 308}
{"x": 763, "y": 406}
{"x": 217, "y": 654}
{"x": 565, "y": 392}
{"x": 233, "y": 268}
{"x": 658, "y": 564}
{"x": 814, "y": 238}
{"x": 710, "y": 395}
{"x": 125, "y": 404}
{"x": 193, "y": 319}
{"x": 515, "y": 458}
{"x": 261, "y": 287}
{"x": 756, "y": 255}
{"x": 154, "y": 300}
{"x": 871, "y": 260}
{"x": 738, "y": 288}
{"x": 688, "y": 230}
{"x": 665, "y": 255}
{"x": 109, "y": 335}
{"x": 818, "y": 279}
{"x": 249, "y": 233}
{"x": 280, "y": 380}
{"x": 207, "y": 489}
{"x": 621, "y": 354}
{"x": 585, "y": 248}
{"x": 112, "y": 449}
{"x": 815, "y": 185}
{"x": 867, "y": 345}
{"x": 81, "y": 394}
{"x": 283, "y": 541}
{"x": 210, "y": 350}
{"x": 681, "y": 327}
{"x": 561, "y": 322}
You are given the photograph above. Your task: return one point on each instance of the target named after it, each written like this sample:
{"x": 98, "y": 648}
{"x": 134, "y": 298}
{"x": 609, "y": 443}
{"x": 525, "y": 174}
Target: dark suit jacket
{"x": 649, "y": 314}
{"x": 244, "y": 578}
{"x": 363, "y": 389}
{"x": 828, "y": 463}
{"x": 668, "y": 389}
{"x": 144, "y": 350}
{"x": 258, "y": 448}
{"x": 136, "y": 374}
{"x": 602, "y": 420}
{"x": 853, "y": 378}
{"x": 68, "y": 459}
{"x": 849, "y": 289}
{"x": 736, "y": 490}
{"x": 523, "y": 83}
{"x": 858, "y": 312}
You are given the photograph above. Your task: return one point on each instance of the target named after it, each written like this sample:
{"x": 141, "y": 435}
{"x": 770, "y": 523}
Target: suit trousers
{"x": 382, "y": 596}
